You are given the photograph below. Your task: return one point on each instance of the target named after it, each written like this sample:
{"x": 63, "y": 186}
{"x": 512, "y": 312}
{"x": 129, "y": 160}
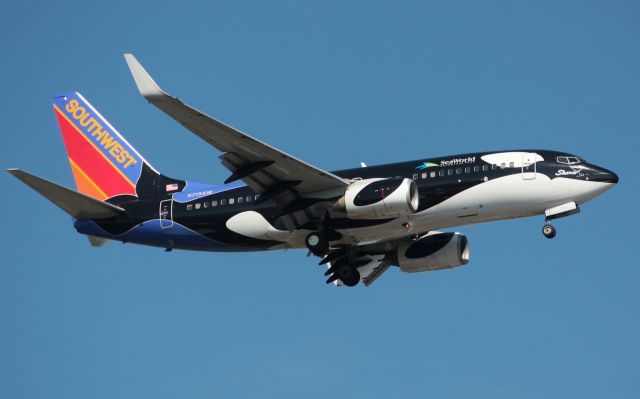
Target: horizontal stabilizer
{"x": 78, "y": 205}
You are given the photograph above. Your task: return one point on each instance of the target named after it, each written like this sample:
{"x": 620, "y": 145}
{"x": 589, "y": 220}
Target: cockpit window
{"x": 568, "y": 160}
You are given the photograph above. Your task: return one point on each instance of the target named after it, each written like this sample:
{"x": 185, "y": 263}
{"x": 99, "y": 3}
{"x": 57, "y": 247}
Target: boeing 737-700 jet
{"x": 358, "y": 221}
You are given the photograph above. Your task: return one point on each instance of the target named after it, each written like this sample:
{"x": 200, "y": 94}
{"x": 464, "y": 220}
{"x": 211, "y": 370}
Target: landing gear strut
{"x": 548, "y": 230}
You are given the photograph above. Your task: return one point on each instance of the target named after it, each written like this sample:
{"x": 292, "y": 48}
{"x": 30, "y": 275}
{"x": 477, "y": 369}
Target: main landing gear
{"x": 341, "y": 269}
{"x": 345, "y": 272}
{"x": 317, "y": 243}
{"x": 548, "y": 230}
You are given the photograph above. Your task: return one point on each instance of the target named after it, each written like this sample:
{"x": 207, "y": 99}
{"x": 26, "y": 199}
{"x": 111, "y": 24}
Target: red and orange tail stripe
{"x": 103, "y": 163}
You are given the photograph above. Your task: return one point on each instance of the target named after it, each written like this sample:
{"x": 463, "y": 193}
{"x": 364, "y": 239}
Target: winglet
{"x": 146, "y": 85}
{"x": 76, "y": 204}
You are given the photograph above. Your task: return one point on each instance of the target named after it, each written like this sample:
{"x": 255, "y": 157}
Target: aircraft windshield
{"x": 568, "y": 160}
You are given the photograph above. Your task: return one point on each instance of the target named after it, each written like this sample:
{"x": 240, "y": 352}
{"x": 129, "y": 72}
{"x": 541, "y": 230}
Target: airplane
{"x": 359, "y": 221}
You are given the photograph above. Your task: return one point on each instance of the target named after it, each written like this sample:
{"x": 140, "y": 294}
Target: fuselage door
{"x": 529, "y": 165}
{"x": 166, "y": 213}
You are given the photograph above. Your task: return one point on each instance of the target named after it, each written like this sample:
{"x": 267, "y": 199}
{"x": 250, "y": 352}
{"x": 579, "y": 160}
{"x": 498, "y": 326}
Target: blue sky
{"x": 334, "y": 83}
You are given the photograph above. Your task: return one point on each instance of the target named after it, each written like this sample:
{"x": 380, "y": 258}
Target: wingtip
{"x": 147, "y": 87}
{"x": 19, "y": 173}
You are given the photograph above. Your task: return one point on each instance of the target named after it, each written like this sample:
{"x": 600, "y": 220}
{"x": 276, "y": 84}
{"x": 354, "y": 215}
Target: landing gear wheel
{"x": 348, "y": 275}
{"x": 549, "y": 231}
{"x": 317, "y": 244}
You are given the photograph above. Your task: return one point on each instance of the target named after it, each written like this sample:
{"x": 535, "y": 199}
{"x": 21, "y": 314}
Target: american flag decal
{"x": 172, "y": 187}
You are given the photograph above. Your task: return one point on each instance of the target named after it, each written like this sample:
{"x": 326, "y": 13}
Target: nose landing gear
{"x": 560, "y": 211}
{"x": 548, "y": 230}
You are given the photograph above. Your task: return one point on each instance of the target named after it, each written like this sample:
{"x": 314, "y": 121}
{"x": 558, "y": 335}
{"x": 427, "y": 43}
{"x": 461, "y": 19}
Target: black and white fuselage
{"x": 452, "y": 191}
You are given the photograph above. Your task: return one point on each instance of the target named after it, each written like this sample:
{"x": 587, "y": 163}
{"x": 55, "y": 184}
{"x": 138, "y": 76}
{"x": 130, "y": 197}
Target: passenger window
{"x": 467, "y": 169}
{"x": 223, "y": 201}
{"x": 240, "y": 200}
{"x": 232, "y": 201}
{"x": 432, "y": 174}
{"x": 189, "y": 207}
{"x": 476, "y": 168}
{"x": 424, "y": 175}
{"x": 415, "y": 176}
{"x": 511, "y": 164}
{"x": 449, "y": 172}
{"x": 257, "y": 196}
{"x": 214, "y": 203}
{"x": 248, "y": 198}
{"x": 441, "y": 172}
{"x": 205, "y": 204}
{"x": 503, "y": 165}
{"x": 493, "y": 166}
{"x": 198, "y": 205}
{"x": 458, "y": 171}
{"x": 485, "y": 168}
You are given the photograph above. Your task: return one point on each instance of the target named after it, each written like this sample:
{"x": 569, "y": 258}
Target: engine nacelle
{"x": 379, "y": 199}
{"x": 435, "y": 251}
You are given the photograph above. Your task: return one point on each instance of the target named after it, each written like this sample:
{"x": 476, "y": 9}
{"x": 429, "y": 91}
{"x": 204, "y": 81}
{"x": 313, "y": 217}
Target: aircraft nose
{"x": 606, "y": 176}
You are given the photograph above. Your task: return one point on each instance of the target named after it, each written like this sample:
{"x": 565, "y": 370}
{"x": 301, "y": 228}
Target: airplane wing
{"x": 267, "y": 170}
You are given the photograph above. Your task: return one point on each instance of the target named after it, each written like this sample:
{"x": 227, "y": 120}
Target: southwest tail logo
{"x": 100, "y": 134}
{"x": 104, "y": 164}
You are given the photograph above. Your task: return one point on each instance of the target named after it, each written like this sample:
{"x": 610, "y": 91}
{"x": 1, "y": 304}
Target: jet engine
{"x": 379, "y": 199}
{"x": 434, "y": 251}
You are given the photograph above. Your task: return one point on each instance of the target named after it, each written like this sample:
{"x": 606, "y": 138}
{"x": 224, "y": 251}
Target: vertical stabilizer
{"x": 103, "y": 163}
